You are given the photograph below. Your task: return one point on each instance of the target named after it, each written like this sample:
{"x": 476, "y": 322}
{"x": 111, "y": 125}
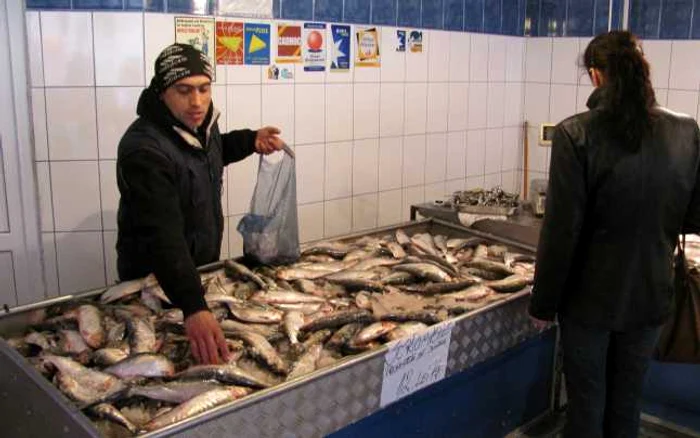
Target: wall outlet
{"x": 546, "y": 134}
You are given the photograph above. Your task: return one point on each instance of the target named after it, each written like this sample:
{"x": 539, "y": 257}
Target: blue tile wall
{"x": 276, "y": 9}
{"x": 645, "y": 18}
{"x": 356, "y": 11}
{"x": 383, "y": 12}
{"x": 695, "y": 29}
{"x": 409, "y": 13}
{"x": 328, "y": 10}
{"x": 48, "y": 4}
{"x": 579, "y": 17}
{"x": 617, "y": 13}
{"x": 492, "y": 16}
{"x": 474, "y": 15}
{"x": 532, "y": 18}
{"x": 296, "y": 9}
{"x": 552, "y": 17}
{"x": 432, "y": 14}
{"x": 675, "y": 19}
{"x": 513, "y": 17}
{"x": 454, "y": 15}
{"x": 601, "y": 14}
{"x": 98, "y": 4}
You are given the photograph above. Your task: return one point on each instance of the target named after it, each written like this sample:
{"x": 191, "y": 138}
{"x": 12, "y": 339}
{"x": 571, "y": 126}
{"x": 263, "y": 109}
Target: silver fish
{"x": 142, "y": 335}
{"x": 482, "y": 273}
{"x": 196, "y": 405}
{"x": 333, "y": 249}
{"x": 173, "y": 316}
{"x": 406, "y": 330}
{"x": 174, "y": 392}
{"x": 83, "y": 384}
{"x": 373, "y": 332}
{"x": 228, "y": 374}
{"x": 425, "y": 316}
{"x": 440, "y": 288}
{"x": 301, "y": 273}
{"x": 488, "y": 265}
{"x": 481, "y": 251}
{"x": 260, "y": 348}
{"x": 424, "y": 242}
{"x": 292, "y": 324}
{"x": 115, "y": 331}
{"x": 402, "y": 238}
{"x": 363, "y": 301}
{"x": 424, "y": 270}
{"x": 39, "y": 339}
{"x": 109, "y": 412}
{"x": 338, "y": 319}
{"x": 230, "y": 326}
{"x": 473, "y": 293}
{"x": 285, "y": 297}
{"x": 356, "y": 279}
{"x": 121, "y": 290}
{"x": 497, "y": 251}
{"x": 109, "y": 356}
{"x": 151, "y": 301}
{"x": 236, "y": 269}
{"x": 441, "y": 243}
{"x": 305, "y": 308}
{"x": 510, "y": 258}
{"x": 72, "y": 343}
{"x": 261, "y": 315}
{"x": 90, "y": 325}
{"x": 374, "y": 262}
{"x": 142, "y": 365}
{"x": 306, "y": 363}
{"x": 461, "y": 243}
{"x": 398, "y": 277}
{"x": 343, "y": 335}
{"x": 512, "y": 283}
{"x": 396, "y": 250}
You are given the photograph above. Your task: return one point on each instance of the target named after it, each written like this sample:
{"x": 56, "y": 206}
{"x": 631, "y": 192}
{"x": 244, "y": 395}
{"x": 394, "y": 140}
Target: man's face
{"x": 188, "y": 99}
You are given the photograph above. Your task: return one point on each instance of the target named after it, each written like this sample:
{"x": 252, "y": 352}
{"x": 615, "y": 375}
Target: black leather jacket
{"x": 170, "y": 215}
{"x": 612, "y": 220}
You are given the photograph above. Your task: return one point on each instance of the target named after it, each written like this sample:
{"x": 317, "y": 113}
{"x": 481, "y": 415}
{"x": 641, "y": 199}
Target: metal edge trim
{"x": 651, "y": 419}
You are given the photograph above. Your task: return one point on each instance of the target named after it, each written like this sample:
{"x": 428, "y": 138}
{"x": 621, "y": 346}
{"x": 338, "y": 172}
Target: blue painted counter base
{"x": 488, "y": 400}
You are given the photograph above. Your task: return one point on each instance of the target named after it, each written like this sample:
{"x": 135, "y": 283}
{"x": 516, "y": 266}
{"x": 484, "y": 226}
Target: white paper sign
{"x": 416, "y": 362}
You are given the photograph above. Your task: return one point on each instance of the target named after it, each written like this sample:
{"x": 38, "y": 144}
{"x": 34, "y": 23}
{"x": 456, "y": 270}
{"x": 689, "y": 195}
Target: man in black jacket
{"x": 169, "y": 171}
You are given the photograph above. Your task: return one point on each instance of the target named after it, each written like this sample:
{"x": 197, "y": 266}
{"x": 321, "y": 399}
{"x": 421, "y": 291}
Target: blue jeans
{"x": 605, "y": 372}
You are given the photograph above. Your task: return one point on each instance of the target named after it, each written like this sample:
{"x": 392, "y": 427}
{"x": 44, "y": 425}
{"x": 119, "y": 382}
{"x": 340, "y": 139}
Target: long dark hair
{"x": 627, "y": 95}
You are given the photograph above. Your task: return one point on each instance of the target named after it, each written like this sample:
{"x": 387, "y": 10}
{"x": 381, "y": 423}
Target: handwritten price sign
{"x": 414, "y": 363}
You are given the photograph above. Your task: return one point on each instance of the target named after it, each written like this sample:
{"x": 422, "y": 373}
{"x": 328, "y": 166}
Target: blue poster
{"x": 340, "y": 49}
{"x": 257, "y": 44}
{"x": 401, "y": 41}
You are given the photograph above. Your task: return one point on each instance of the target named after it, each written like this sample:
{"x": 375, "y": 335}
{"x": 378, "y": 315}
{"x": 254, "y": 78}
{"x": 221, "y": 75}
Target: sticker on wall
{"x": 400, "y": 40}
{"x": 257, "y": 44}
{"x": 198, "y": 32}
{"x": 274, "y": 72}
{"x": 229, "y": 43}
{"x": 314, "y": 49}
{"x": 340, "y": 49}
{"x": 367, "y": 47}
{"x": 415, "y": 41}
{"x": 288, "y": 44}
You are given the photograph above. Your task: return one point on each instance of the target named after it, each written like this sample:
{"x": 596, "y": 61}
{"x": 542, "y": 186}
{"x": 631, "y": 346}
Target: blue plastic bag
{"x": 271, "y": 230}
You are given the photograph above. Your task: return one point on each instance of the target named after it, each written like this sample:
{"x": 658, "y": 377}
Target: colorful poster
{"x": 198, "y": 32}
{"x": 257, "y": 44}
{"x": 245, "y": 8}
{"x": 340, "y": 48}
{"x": 400, "y": 40}
{"x": 288, "y": 44}
{"x": 367, "y": 47}
{"x": 415, "y": 41}
{"x": 229, "y": 43}
{"x": 314, "y": 48}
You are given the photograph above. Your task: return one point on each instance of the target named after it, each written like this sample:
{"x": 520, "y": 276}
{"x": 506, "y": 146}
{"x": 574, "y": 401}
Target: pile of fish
{"x": 124, "y": 359}
{"x": 495, "y": 197}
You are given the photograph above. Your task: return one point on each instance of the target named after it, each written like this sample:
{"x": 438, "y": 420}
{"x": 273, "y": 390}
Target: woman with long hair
{"x": 622, "y": 186}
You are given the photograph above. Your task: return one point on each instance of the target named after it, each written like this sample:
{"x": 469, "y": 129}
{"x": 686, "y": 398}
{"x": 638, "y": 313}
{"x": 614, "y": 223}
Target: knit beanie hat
{"x": 179, "y": 61}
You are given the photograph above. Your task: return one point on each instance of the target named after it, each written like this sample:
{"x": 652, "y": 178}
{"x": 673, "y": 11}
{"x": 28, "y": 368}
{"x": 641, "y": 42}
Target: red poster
{"x": 229, "y": 42}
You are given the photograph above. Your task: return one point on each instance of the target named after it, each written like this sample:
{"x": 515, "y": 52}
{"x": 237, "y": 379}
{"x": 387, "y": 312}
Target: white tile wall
{"x": 685, "y": 65}
{"x": 658, "y": 53}
{"x": 369, "y": 143}
{"x": 538, "y": 59}
{"x": 683, "y": 101}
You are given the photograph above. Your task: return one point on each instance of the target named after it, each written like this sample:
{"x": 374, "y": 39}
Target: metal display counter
{"x": 319, "y": 404}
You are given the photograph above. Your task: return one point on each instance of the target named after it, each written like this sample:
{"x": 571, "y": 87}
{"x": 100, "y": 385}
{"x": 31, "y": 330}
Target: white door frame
{"x": 23, "y": 239}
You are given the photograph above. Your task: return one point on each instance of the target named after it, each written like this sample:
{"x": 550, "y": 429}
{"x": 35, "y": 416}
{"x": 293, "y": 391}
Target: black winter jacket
{"x": 612, "y": 219}
{"x": 170, "y": 217}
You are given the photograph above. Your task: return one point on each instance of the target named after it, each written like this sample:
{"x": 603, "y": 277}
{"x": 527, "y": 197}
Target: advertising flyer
{"x": 199, "y": 32}
{"x": 257, "y": 44}
{"x": 229, "y": 43}
{"x": 367, "y": 47}
{"x": 340, "y": 48}
{"x": 314, "y": 48}
{"x": 288, "y": 44}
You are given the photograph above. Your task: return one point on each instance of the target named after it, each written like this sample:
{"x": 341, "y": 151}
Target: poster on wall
{"x": 367, "y": 54}
{"x": 415, "y": 41}
{"x": 340, "y": 48}
{"x": 246, "y": 8}
{"x": 314, "y": 46}
{"x": 288, "y": 44}
{"x": 229, "y": 43}
{"x": 400, "y": 40}
{"x": 257, "y": 44}
{"x": 198, "y": 32}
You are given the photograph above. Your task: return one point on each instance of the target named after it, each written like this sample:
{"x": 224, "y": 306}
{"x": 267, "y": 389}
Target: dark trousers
{"x": 605, "y": 372}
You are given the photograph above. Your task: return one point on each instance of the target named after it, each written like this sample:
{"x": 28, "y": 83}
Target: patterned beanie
{"x": 179, "y": 61}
